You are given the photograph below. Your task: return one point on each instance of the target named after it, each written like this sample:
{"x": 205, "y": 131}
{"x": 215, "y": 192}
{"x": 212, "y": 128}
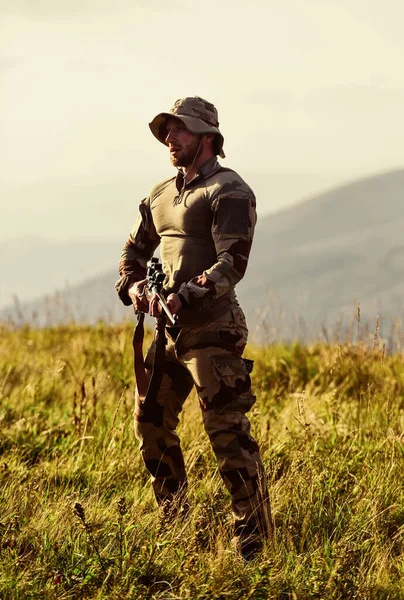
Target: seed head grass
{"x": 77, "y": 514}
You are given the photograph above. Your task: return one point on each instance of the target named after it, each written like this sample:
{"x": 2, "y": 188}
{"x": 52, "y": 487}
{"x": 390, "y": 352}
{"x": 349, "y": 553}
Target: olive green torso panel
{"x": 205, "y": 229}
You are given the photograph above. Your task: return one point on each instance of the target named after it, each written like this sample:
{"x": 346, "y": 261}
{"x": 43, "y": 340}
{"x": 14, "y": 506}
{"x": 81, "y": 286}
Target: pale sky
{"x": 310, "y": 93}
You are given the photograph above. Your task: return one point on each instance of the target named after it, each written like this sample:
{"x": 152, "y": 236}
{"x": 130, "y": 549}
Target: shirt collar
{"x": 208, "y": 168}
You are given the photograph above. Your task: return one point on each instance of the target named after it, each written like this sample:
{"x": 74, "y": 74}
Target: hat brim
{"x": 158, "y": 127}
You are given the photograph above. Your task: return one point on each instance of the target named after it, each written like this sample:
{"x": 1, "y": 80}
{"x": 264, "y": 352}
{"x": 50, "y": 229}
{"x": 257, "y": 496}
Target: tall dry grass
{"x": 77, "y": 515}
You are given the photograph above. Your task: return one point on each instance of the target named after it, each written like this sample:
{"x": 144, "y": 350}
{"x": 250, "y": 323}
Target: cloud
{"x": 87, "y": 65}
{"x": 331, "y": 99}
{"x": 357, "y": 97}
{"x": 8, "y": 62}
{"x": 55, "y": 9}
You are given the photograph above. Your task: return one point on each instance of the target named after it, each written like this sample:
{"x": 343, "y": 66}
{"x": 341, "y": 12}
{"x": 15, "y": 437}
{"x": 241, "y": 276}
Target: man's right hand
{"x": 137, "y": 294}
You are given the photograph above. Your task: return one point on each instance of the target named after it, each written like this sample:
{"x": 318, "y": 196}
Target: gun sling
{"x": 148, "y": 390}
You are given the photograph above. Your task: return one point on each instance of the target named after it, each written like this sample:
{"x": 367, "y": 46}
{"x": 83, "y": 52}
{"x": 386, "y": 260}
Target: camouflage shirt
{"x": 205, "y": 229}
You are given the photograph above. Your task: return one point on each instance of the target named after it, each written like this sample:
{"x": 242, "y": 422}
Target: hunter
{"x": 203, "y": 217}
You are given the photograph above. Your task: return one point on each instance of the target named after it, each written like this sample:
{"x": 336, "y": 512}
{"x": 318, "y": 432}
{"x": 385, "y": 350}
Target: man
{"x": 204, "y": 219}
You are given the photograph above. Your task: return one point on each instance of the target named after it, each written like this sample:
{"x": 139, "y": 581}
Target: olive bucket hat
{"x": 198, "y": 115}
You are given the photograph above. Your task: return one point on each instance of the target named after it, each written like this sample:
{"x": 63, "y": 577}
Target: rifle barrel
{"x": 172, "y": 318}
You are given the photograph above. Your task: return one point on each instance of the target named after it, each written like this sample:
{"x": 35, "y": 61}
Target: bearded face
{"x": 183, "y": 145}
{"x": 184, "y": 154}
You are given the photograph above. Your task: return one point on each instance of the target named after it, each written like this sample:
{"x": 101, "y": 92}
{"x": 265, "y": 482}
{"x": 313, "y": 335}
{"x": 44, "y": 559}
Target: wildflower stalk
{"x": 80, "y": 513}
{"x": 122, "y": 510}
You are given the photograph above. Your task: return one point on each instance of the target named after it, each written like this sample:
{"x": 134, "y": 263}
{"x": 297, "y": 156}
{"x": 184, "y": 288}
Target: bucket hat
{"x": 198, "y": 115}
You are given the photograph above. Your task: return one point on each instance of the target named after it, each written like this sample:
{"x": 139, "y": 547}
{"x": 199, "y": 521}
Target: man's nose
{"x": 170, "y": 136}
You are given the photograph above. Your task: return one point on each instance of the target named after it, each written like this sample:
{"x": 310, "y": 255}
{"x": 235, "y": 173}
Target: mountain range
{"x": 310, "y": 265}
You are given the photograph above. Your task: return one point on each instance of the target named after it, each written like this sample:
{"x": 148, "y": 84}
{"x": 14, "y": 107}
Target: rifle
{"x": 155, "y": 279}
{"x": 146, "y": 389}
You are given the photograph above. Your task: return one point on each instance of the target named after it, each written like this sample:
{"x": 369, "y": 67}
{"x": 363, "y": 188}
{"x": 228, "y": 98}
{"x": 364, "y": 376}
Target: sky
{"x": 310, "y": 95}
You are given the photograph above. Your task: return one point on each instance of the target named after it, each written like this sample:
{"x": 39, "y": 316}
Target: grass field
{"x": 78, "y": 518}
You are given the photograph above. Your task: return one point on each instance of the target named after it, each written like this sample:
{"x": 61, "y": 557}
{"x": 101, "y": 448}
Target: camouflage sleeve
{"x": 234, "y": 218}
{"x": 142, "y": 242}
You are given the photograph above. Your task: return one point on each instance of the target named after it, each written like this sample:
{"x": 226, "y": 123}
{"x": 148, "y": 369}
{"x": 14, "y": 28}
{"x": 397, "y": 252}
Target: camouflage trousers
{"x": 209, "y": 358}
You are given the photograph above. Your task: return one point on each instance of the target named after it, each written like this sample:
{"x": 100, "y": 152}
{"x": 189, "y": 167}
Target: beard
{"x": 186, "y": 155}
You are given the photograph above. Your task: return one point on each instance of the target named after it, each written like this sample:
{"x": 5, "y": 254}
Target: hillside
{"x": 30, "y": 265}
{"x": 317, "y": 259}
{"x": 323, "y": 255}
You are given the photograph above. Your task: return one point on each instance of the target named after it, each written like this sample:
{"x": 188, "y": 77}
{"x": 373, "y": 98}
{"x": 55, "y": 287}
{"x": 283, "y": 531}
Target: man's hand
{"x": 137, "y": 295}
{"x": 173, "y": 302}
{"x": 144, "y": 303}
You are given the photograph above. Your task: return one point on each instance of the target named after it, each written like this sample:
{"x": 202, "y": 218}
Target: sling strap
{"x": 148, "y": 391}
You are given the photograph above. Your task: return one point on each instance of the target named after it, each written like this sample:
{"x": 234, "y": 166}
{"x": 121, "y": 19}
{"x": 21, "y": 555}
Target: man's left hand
{"x": 173, "y": 302}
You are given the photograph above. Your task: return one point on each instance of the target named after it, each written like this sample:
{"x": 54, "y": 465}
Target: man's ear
{"x": 209, "y": 137}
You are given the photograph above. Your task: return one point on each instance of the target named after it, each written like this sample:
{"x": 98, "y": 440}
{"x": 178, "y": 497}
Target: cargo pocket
{"x": 234, "y": 332}
{"x": 235, "y": 393}
{"x": 229, "y": 337}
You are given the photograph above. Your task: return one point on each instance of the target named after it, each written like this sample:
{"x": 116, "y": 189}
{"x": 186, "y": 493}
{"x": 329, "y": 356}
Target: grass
{"x": 77, "y": 516}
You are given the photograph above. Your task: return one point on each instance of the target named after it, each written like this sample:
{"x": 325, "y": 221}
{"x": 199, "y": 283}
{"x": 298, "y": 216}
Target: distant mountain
{"x": 72, "y": 207}
{"x": 106, "y": 208}
{"x": 323, "y": 255}
{"x": 30, "y": 265}
{"x": 310, "y": 264}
